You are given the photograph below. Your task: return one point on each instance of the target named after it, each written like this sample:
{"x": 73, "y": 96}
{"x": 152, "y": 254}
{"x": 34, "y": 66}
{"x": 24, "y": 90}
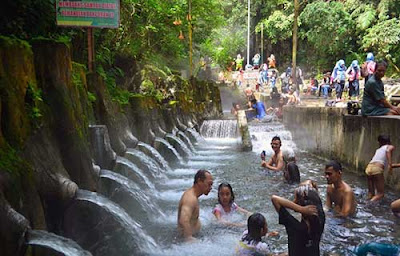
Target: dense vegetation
{"x": 149, "y": 30}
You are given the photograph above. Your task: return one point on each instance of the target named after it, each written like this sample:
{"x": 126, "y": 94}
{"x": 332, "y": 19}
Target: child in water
{"x": 226, "y": 205}
{"x": 251, "y": 244}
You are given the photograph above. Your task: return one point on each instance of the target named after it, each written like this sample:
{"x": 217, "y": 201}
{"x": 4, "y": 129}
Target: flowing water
{"x": 253, "y": 187}
{"x": 219, "y": 129}
{"x": 56, "y": 243}
{"x": 139, "y": 215}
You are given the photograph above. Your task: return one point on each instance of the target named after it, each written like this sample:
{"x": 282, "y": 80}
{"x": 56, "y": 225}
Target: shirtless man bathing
{"x": 276, "y": 162}
{"x": 188, "y": 212}
{"x": 339, "y": 195}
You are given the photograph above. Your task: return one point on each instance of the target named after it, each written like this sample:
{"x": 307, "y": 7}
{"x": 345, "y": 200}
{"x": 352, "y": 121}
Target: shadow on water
{"x": 253, "y": 187}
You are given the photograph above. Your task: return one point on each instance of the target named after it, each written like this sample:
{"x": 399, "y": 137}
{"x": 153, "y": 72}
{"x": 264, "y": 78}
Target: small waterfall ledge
{"x": 49, "y": 157}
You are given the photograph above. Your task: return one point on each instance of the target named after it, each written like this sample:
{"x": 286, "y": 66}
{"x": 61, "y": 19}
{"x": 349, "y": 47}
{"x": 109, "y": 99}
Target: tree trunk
{"x": 294, "y": 49}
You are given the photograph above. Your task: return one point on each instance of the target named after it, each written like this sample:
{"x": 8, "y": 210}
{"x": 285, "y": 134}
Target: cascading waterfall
{"x": 178, "y": 144}
{"x": 130, "y": 170}
{"x": 56, "y": 243}
{"x": 187, "y": 141}
{"x": 192, "y": 133}
{"x": 219, "y": 129}
{"x": 144, "y": 162}
{"x": 148, "y": 204}
{"x": 154, "y": 154}
{"x": 170, "y": 148}
{"x": 105, "y": 227}
{"x": 141, "y": 205}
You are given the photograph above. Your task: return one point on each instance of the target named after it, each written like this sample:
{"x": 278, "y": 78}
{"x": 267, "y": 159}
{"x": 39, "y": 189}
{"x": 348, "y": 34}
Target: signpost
{"x": 90, "y": 14}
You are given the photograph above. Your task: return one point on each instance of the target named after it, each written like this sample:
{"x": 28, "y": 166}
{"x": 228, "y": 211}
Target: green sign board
{"x": 88, "y": 13}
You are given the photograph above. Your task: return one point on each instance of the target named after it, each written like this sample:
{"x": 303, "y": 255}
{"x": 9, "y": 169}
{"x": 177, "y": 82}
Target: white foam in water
{"x": 183, "y": 171}
{"x": 178, "y": 182}
{"x": 202, "y": 164}
{"x": 211, "y": 157}
{"x": 171, "y": 195}
{"x": 211, "y": 245}
{"x": 262, "y": 141}
{"x": 223, "y": 140}
{"x": 210, "y": 152}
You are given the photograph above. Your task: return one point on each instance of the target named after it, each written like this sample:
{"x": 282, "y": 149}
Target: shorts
{"x": 373, "y": 169}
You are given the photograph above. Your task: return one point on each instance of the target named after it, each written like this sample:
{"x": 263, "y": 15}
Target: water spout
{"x": 103, "y": 155}
{"x": 12, "y": 229}
{"x": 166, "y": 149}
{"x": 187, "y": 141}
{"x": 144, "y": 162}
{"x": 154, "y": 154}
{"x": 104, "y": 228}
{"x": 56, "y": 243}
{"x": 130, "y": 170}
{"x": 177, "y": 143}
{"x": 67, "y": 187}
{"x": 139, "y": 205}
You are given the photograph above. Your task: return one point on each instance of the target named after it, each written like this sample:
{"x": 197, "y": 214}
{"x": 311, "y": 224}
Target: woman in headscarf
{"x": 339, "y": 78}
{"x": 353, "y": 74}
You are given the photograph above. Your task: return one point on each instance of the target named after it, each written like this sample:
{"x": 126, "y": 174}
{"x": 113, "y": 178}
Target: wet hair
{"x": 200, "y": 174}
{"x": 335, "y": 164}
{"x": 292, "y": 173}
{"x": 277, "y": 138}
{"x": 226, "y": 185}
{"x": 308, "y": 195}
{"x": 384, "y": 139}
{"x": 255, "y": 223}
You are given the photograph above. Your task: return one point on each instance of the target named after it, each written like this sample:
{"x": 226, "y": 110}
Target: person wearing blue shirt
{"x": 259, "y": 107}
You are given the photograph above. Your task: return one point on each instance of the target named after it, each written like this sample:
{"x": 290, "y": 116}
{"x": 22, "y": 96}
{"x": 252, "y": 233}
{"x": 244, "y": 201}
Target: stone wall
{"x": 46, "y": 147}
{"x": 333, "y": 134}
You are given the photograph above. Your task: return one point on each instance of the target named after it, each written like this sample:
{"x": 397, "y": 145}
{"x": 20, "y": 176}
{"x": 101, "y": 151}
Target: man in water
{"x": 276, "y": 162}
{"x": 339, "y": 194}
{"x": 188, "y": 212}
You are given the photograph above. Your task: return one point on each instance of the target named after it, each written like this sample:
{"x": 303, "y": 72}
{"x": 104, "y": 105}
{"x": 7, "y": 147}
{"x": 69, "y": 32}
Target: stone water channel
{"x": 139, "y": 218}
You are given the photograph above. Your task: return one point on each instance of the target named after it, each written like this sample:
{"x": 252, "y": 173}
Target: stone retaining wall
{"x": 331, "y": 133}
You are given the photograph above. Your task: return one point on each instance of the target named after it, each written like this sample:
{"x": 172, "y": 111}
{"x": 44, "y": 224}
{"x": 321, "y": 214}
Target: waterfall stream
{"x": 57, "y": 243}
{"x": 137, "y": 214}
{"x": 219, "y": 129}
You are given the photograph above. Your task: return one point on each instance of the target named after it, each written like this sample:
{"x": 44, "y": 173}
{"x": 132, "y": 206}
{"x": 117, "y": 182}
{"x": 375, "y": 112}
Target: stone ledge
{"x": 332, "y": 133}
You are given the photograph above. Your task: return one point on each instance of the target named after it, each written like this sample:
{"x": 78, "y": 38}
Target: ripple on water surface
{"x": 253, "y": 187}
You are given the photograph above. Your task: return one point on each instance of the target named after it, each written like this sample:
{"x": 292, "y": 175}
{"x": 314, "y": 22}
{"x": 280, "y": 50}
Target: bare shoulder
{"x": 188, "y": 198}
{"x": 329, "y": 189}
{"x": 390, "y": 148}
{"x": 347, "y": 188}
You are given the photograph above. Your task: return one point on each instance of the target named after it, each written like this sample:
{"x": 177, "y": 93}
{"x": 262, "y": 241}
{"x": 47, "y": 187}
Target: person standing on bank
{"x": 374, "y": 102}
{"x": 188, "y": 211}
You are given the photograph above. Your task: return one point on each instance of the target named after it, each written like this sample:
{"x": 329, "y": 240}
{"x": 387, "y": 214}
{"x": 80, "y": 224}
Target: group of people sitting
{"x": 303, "y": 236}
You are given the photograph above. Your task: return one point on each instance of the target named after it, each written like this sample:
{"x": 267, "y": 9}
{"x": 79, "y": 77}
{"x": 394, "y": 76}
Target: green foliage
{"x": 91, "y": 97}
{"x": 33, "y": 99}
{"x": 228, "y": 43}
{"x": 383, "y": 37}
{"x": 119, "y": 95}
{"x": 327, "y": 26}
{"x": 19, "y": 171}
{"x": 277, "y": 26}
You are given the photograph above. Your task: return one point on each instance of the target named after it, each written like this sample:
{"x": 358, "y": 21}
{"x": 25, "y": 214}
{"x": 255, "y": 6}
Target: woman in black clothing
{"x": 304, "y": 236}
